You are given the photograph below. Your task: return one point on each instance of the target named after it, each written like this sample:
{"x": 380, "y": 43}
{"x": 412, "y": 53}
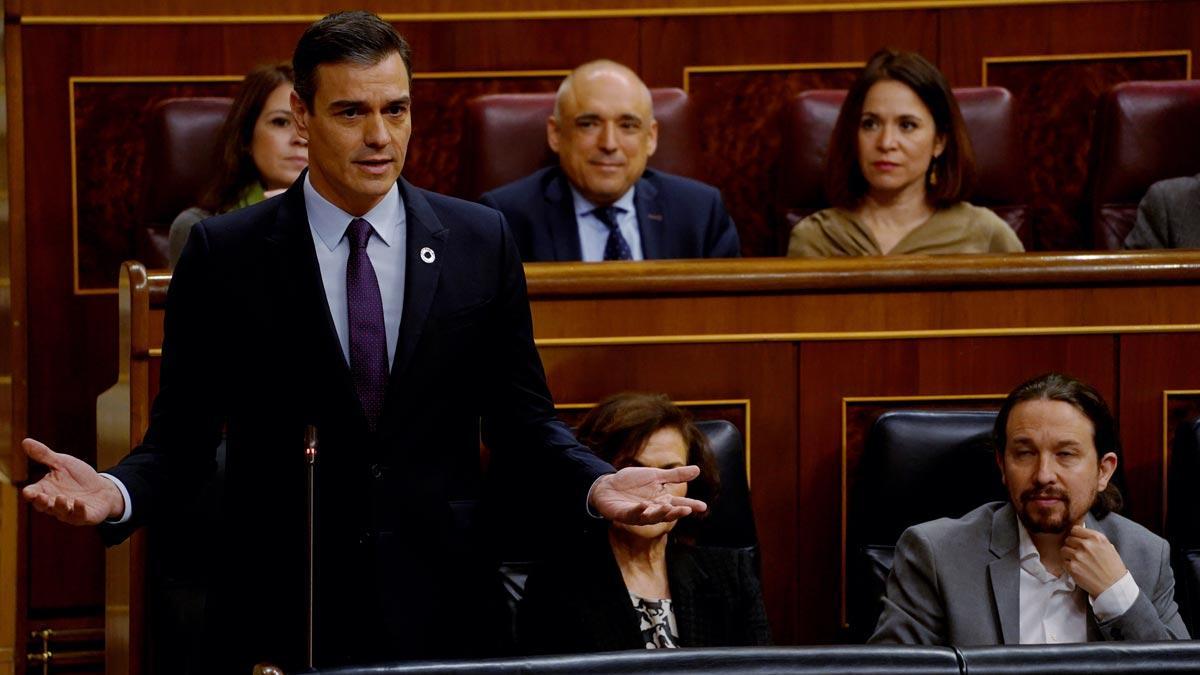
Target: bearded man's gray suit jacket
{"x": 957, "y": 582}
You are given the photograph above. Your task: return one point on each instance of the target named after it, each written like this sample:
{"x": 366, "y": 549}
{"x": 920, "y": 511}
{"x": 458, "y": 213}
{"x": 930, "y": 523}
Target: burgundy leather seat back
{"x": 1144, "y": 132}
{"x": 181, "y": 157}
{"x": 991, "y": 123}
{"x": 505, "y": 138}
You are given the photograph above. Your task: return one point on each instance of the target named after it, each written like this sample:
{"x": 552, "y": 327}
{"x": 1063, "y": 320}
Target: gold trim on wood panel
{"x": 536, "y": 15}
{"x": 1166, "y": 443}
{"x": 861, "y": 335}
{"x": 477, "y": 74}
{"x": 765, "y": 68}
{"x": 172, "y": 79}
{"x": 842, "y": 610}
{"x": 744, "y": 402}
{"x": 1097, "y": 56}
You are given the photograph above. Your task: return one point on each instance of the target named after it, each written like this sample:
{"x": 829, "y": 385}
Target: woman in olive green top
{"x": 900, "y": 166}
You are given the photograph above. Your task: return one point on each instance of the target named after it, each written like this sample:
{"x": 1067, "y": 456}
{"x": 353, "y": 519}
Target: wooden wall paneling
{"x": 432, "y": 10}
{"x": 64, "y": 572}
{"x": 1151, "y": 366}
{"x": 763, "y": 374}
{"x": 1056, "y": 101}
{"x": 831, "y": 372}
{"x": 108, "y": 138}
{"x": 13, "y": 564}
{"x": 741, "y": 72}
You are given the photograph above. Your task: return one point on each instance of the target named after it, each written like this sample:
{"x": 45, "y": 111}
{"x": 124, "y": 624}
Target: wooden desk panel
{"x": 814, "y": 351}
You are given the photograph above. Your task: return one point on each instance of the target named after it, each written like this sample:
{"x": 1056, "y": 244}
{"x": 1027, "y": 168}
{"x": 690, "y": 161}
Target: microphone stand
{"x": 310, "y": 461}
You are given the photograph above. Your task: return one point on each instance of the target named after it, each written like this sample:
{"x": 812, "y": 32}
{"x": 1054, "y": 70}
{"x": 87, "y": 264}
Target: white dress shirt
{"x": 1053, "y": 609}
{"x": 593, "y": 234}
{"x": 386, "y": 248}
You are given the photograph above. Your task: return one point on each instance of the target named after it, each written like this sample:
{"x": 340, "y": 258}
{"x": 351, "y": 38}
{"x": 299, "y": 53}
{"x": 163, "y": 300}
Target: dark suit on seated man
{"x": 1168, "y": 216}
{"x": 395, "y": 322}
{"x": 1054, "y": 564}
{"x": 601, "y": 203}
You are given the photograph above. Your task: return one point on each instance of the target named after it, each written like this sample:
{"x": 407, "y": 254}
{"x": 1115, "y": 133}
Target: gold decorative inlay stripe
{"x": 765, "y": 68}
{"x": 737, "y": 338}
{"x": 862, "y": 335}
{"x": 542, "y": 15}
{"x": 1096, "y": 56}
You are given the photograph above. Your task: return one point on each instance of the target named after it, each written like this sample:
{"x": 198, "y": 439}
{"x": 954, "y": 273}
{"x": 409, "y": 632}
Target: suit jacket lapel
{"x": 1004, "y": 573}
{"x": 689, "y": 590}
{"x": 295, "y": 264}
{"x": 421, "y": 274}
{"x": 651, "y": 219}
{"x": 560, "y": 209}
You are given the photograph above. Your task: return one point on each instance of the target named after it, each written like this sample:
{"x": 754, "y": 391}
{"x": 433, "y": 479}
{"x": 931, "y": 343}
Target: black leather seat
{"x": 730, "y": 522}
{"x": 917, "y": 465}
{"x": 179, "y": 164}
{"x": 1183, "y": 521}
{"x": 1094, "y": 658}
{"x": 799, "y": 660}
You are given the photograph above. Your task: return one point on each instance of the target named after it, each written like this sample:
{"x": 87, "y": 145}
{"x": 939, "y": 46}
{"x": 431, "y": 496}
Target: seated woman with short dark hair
{"x": 629, "y": 587}
{"x": 899, "y": 170}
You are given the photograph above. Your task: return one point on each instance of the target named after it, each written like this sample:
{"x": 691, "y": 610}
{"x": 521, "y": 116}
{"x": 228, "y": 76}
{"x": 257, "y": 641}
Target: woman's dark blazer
{"x": 579, "y": 603}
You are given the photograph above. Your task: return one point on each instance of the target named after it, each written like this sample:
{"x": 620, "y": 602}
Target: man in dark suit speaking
{"x": 601, "y": 202}
{"x": 395, "y": 322}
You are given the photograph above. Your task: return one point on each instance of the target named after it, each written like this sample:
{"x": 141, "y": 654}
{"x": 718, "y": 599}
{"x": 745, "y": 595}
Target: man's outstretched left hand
{"x": 639, "y": 495}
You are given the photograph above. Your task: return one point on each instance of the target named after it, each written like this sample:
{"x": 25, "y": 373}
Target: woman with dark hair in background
{"x": 899, "y": 170}
{"x": 261, "y": 153}
{"x": 646, "y": 586}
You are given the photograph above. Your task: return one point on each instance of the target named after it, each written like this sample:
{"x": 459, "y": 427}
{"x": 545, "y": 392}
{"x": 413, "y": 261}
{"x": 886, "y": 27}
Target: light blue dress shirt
{"x": 593, "y": 234}
{"x": 386, "y": 248}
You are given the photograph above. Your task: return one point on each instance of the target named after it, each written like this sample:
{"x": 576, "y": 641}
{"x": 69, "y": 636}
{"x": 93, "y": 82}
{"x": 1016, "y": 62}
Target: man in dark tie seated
{"x": 601, "y": 202}
{"x": 1168, "y": 216}
{"x": 1054, "y": 563}
{"x": 395, "y": 322}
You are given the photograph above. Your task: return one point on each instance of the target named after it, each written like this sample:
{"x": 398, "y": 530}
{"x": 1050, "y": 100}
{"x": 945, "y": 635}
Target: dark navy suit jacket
{"x": 249, "y": 347}
{"x": 677, "y": 217}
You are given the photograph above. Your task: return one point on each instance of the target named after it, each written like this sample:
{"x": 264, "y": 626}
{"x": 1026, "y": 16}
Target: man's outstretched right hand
{"x": 72, "y": 491}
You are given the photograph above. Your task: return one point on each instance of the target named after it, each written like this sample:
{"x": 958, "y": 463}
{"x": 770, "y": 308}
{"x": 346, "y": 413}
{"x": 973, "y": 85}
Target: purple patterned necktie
{"x": 368, "y": 339}
{"x": 616, "y": 248}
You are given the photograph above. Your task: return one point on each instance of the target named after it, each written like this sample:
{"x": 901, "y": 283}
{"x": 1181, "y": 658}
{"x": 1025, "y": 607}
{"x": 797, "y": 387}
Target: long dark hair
{"x": 619, "y": 426}
{"x": 951, "y": 174}
{"x": 1085, "y": 399}
{"x": 236, "y": 170}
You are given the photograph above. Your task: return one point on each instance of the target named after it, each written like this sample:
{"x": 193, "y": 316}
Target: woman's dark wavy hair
{"x": 619, "y": 426}
{"x": 954, "y": 169}
{"x": 1085, "y": 399}
{"x": 236, "y": 170}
